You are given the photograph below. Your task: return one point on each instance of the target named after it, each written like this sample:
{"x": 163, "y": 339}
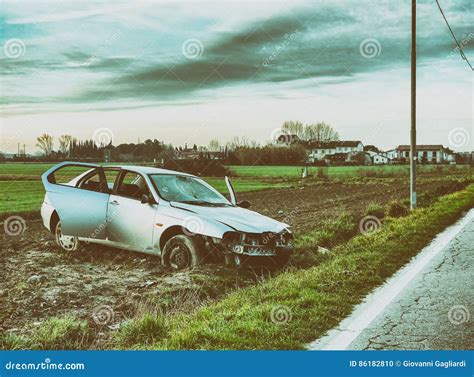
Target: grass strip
{"x": 299, "y": 306}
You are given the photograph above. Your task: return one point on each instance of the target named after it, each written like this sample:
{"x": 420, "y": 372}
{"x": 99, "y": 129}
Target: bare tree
{"x": 65, "y": 143}
{"x": 214, "y": 145}
{"x": 45, "y": 143}
{"x": 240, "y": 142}
{"x": 315, "y": 132}
{"x": 293, "y": 128}
{"x": 321, "y": 132}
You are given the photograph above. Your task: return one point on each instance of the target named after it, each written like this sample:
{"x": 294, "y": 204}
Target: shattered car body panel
{"x": 142, "y": 207}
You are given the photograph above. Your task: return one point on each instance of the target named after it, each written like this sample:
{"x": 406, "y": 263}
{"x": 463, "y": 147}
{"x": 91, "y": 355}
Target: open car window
{"x": 133, "y": 186}
{"x": 69, "y": 174}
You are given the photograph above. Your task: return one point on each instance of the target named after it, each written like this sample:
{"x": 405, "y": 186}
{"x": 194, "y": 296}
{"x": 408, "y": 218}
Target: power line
{"x": 454, "y": 37}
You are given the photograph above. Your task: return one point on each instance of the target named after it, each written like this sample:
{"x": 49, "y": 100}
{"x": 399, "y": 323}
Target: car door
{"x": 131, "y": 222}
{"x": 81, "y": 209}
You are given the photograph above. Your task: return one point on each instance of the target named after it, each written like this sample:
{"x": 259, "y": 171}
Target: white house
{"x": 427, "y": 153}
{"x": 321, "y": 150}
{"x": 378, "y": 158}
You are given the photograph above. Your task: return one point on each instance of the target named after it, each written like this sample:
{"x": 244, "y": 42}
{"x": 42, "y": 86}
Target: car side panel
{"x": 46, "y": 213}
{"x": 82, "y": 212}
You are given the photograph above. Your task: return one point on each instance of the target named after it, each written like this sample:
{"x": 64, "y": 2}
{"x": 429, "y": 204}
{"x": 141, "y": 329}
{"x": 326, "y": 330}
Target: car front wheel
{"x": 181, "y": 252}
{"x": 67, "y": 243}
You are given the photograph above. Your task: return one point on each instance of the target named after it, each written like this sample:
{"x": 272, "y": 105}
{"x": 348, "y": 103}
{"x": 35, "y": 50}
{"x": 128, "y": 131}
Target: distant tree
{"x": 65, "y": 143}
{"x": 195, "y": 147}
{"x": 214, "y": 145}
{"x": 290, "y": 127}
{"x": 240, "y": 142}
{"x": 321, "y": 132}
{"x": 45, "y": 143}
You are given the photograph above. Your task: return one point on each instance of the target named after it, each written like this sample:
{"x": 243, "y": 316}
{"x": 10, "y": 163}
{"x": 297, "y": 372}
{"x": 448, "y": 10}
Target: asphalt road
{"x": 436, "y": 310}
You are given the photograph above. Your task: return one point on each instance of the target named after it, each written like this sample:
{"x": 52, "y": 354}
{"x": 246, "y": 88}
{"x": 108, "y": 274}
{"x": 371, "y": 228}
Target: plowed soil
{"x": 104, "y": 286}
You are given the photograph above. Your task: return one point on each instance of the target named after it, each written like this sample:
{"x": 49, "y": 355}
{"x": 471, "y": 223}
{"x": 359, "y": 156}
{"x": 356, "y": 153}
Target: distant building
{"x": 434, "y": 154}
{"x": 320, "y": 151}
{"x": 371, "y": 148}
{"x": 377, "y": 157}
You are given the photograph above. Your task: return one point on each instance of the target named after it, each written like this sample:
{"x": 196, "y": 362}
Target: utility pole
{"x": 413, "y": 152}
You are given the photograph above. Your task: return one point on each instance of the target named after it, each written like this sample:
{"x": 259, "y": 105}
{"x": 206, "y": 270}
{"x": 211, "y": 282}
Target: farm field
{"x": 44, "y": 288}
{"x": 339, "y": 171}
{"x": 21, "y": 189}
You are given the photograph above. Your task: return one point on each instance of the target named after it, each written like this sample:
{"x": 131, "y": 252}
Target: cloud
{"x": 316, "y": 43}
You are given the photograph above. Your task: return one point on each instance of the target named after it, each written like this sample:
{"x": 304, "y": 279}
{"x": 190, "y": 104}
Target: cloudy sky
{"x": 192, "y": 71}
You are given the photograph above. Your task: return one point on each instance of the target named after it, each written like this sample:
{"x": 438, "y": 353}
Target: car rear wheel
{"x": 180, "y": 252}
{"x": 67, "y": 243}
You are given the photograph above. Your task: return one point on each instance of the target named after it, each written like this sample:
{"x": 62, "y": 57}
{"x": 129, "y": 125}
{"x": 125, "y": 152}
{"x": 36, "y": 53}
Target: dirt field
{"x": 105, "y": 286}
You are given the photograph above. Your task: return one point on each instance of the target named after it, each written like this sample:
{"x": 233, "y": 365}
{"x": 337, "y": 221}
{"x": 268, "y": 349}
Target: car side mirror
{"x": 244, "y": 204}
{"x": 146, "y": 199}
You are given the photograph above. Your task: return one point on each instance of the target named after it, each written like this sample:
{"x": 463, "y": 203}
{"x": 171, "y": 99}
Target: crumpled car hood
{"x": 240, "y": 219}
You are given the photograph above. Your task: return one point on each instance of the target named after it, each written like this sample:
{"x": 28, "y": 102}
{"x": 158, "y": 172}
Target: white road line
{"x": 375, "y": 303}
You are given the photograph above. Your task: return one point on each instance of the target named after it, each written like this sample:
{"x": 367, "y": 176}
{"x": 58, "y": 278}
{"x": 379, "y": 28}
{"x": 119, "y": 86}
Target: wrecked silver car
{"x": 174, "y": 215}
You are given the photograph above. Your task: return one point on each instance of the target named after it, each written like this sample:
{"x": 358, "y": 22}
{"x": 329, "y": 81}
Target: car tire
{"x": 181, "y": 252}
{"x": 66, "y": 243}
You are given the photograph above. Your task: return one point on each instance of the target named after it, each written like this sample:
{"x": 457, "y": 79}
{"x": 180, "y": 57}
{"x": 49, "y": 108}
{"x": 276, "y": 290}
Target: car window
{"x": 92, "y": 183}
{"x": 67, "y": 174}
{"x": 133, "y": 185}
{"x": 111, "y": 176}
{"x": 184, "y": 189}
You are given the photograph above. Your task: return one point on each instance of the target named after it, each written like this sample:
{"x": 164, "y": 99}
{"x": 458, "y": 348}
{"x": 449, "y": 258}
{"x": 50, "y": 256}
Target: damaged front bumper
{"x": 258, "y": 244}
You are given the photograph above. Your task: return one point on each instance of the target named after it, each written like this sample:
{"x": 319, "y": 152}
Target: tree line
{"x": 238, "y": 150}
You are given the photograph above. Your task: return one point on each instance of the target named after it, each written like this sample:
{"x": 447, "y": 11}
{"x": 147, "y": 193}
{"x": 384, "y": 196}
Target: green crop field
{"x": 21, "y": 189}
{"x": 334, "y": 171}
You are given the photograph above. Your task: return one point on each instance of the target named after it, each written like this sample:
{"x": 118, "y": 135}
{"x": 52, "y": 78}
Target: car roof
{"x": 147, "y": 170}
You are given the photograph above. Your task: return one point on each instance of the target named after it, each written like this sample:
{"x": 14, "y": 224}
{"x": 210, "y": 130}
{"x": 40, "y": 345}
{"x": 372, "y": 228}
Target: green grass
{"x": 316, "y": 299}
{"x": 26, "y": 196}
{"x": 21, "y": 196}
{"x": 335, "y": 171}
{"x": 58, "y": 333}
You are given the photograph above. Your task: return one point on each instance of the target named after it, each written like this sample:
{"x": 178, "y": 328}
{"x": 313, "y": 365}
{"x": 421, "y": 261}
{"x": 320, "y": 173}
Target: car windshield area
{"x": 189, "y": 190}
